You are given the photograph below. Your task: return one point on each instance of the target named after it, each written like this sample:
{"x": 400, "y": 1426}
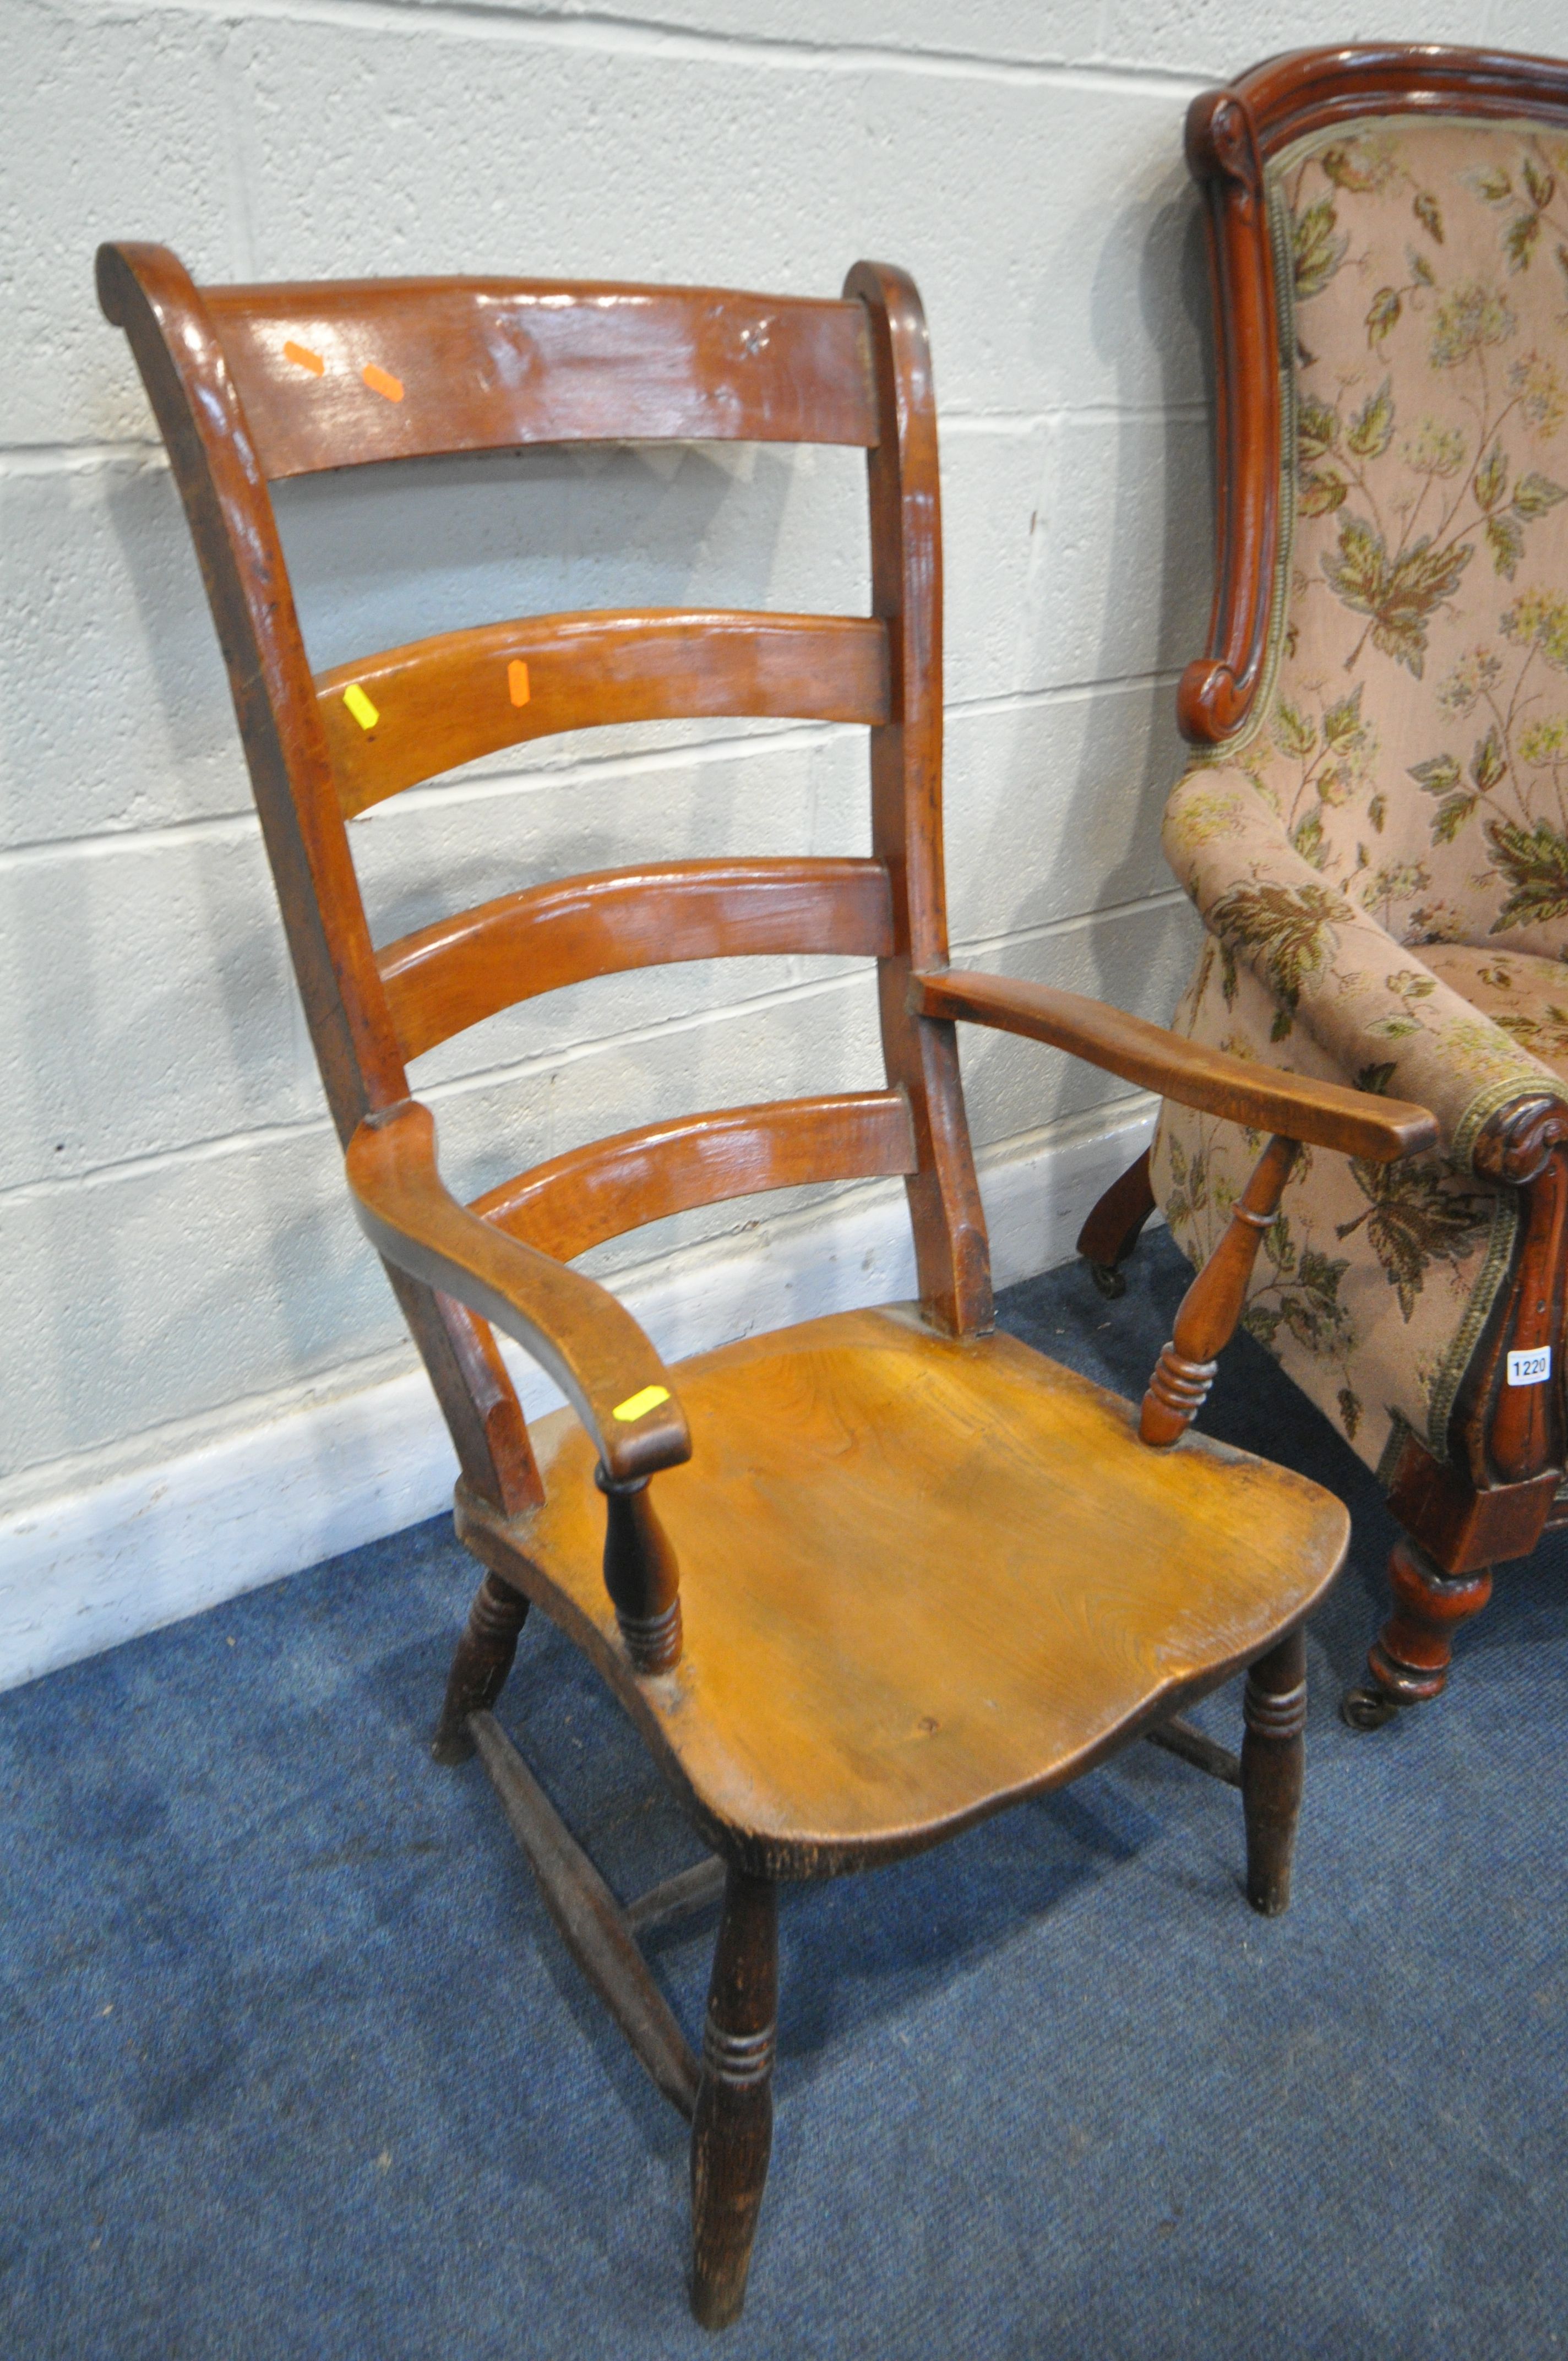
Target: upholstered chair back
{"x": 1374, "y": 825}
{"x": 1416, "y": 740}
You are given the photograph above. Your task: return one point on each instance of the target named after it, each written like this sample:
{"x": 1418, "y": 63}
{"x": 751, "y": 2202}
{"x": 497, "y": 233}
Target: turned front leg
{"x": 480, "y": 1666}
{"x": 732, "y": 2130}
{"x": 1213, "y": 1304}
{"x": 1273, "y": 1766}
{"x": 1409, "y": 1659}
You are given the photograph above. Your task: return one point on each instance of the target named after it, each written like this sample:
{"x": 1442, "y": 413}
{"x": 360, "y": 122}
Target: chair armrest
{"x": 590, "y": 1343}
{"x": 1291, "y": 1106}
{"x": 1359, "y": 992}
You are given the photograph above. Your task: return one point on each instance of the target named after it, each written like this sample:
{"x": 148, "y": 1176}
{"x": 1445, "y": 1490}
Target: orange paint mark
{"x": 383, "y": 382}
{"x": 517, "y": 681}
{"x": 302, "y": 357}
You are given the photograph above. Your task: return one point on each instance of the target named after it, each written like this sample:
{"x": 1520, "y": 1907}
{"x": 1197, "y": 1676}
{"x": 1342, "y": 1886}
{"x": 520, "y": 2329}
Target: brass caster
{"x": 1367, "y": 1708}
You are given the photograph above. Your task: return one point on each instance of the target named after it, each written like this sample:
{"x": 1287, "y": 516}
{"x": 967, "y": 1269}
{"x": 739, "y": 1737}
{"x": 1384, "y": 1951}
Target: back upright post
{"x": 146, "y": 290}
{"x": 952, "y": 1256}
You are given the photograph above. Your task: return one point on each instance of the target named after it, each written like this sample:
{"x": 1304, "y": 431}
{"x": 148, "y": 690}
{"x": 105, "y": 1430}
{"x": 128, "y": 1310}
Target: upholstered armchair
{"x": 1374, "y": 822}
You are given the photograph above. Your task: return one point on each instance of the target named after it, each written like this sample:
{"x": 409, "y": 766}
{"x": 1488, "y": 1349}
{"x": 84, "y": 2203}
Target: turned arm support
{"x": 1213, "y": 1304}
{"x": 590, "y": 1343}
{"x": 1263, "y": 1098}
{"x": 1297, "y": 1108}
{"x": 1522, "y": 1145}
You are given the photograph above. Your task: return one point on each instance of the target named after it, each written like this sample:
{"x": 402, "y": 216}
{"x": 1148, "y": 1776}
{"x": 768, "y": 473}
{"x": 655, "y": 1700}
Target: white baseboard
{"x": 103, "y": 1563}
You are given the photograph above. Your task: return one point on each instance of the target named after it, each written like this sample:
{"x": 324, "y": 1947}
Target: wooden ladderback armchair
{"x": 858, "y": 1583}
{"x": 1375, "y": 822}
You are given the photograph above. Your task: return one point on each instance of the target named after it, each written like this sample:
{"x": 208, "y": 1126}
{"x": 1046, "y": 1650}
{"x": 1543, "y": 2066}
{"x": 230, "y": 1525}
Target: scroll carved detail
{"x": 1223, "y": 140}
{"x": 1514, "y": 1145}
{"x": 1224, "y": 154}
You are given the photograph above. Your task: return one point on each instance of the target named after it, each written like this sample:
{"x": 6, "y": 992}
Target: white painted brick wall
{"x": 182, "y": 1270}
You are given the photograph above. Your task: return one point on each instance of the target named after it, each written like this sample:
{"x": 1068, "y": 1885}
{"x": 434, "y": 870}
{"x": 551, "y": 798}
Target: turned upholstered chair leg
{"x": 480, "y": 1666}
{"x": 1408, "y": 1660}
{"x": 732, "y": 2130}
{"x": 1114, "y": 1227}
{"x": 1273, "y": 1760}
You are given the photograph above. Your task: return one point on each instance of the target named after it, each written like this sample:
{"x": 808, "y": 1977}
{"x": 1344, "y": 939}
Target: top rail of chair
{"x": 1303, "y": 90}
{"x": 337, "y": 373}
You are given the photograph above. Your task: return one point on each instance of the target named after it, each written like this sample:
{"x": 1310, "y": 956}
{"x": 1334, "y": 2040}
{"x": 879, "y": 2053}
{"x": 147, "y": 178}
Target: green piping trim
{"x": 1477, "y": 1311}
{"x": 1400, "y": 1432}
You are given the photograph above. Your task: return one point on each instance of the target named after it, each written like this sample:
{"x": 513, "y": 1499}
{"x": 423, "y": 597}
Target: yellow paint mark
{"x": 382, "y": 381}
{"x": 302, "y": 357}
{"x": 359, "y": 705}
{"x": 637, "y": 1406}
{"x": 517, "y": 681}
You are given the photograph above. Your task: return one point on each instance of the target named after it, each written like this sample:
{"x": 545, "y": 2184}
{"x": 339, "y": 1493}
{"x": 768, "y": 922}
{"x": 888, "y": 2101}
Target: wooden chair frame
{"x": 227, "y": 370}
{"x": 1502, "y": 1482}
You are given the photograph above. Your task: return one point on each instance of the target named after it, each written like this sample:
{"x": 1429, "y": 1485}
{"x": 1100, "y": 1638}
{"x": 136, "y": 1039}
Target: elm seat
{"x": 858, "y": 1677}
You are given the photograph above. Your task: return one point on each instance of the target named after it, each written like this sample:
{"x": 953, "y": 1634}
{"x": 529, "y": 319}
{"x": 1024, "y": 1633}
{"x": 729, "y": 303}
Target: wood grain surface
{"x": 450, "y": 700}
{"x": 464, "y": 969}
{"x": 614, "y": 1185}
{"x": 576, "y": 1330}
{"x": 483, "y": 364}
{"x": 1299, "y": 1106}
{"x": 952, "y": 1254}
{"x": 921, "y": 1577}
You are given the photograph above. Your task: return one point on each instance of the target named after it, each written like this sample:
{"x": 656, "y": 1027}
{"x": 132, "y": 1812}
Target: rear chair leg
{"x": 480, "y": 1666}
{"x": 732, "y": 2130}
{"x": 1112, "y": 1229}
{"x": 1273, "y": 1760}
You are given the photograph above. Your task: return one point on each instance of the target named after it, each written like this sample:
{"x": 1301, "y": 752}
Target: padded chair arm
{"x": 590, "y": 1343}
{"x": 1291, "y": 1106}
{"x": 1330, "y": 968}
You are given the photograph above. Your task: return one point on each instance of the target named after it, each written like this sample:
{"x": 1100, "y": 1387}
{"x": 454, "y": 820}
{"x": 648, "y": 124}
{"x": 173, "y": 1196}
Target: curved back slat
{"x": 462, "y": 970}
{"x": 578, "y": 1199}
{"x": 254, "y": 384}
{"x": 343, "y": 371}
{"x": 401, "y": 717}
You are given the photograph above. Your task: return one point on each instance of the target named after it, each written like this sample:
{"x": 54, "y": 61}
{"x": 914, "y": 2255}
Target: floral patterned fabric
{"x": 1381, "y": 856}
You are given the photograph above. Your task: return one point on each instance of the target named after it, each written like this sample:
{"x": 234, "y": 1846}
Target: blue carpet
{"x": 294, "y": 2063}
